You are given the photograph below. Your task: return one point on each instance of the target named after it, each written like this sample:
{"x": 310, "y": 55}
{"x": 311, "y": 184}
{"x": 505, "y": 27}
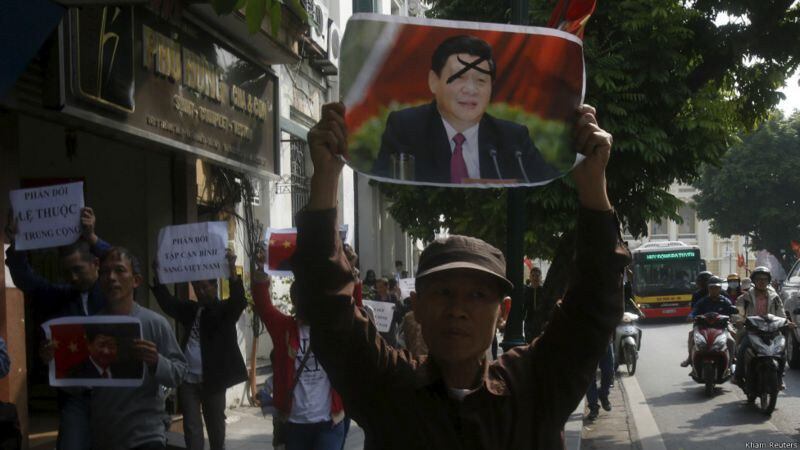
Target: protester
{"x": 384, "y": 294}
{"x": 412, "y": 335}
{"x": 352, "y": 257}
{"x": 535, "y": 311}
{"x": 135, "y": 418}
{"x": 214, "y": 362}
{"x": 455, "y": 398}
{"x": 80, "y": 297}
{"x": 369, "y": 285}
{"x": 310, "y": 412}
{"x": 5, "y": 361}
{"x": 10, "y": 434}
{"x": 606, "y": 367}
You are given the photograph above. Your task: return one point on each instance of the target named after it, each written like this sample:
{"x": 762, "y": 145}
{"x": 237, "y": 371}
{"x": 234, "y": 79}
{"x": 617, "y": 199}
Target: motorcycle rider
{"x": 758, "y": 301}
{"x": 702, "y": 287}
{"x": 714, "y": 302}
{"x": 734, "y": 287}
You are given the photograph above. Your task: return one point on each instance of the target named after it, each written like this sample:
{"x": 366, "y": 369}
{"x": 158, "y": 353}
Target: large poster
{"x": 94, "y": 351}
{"x": 460, "y": 103}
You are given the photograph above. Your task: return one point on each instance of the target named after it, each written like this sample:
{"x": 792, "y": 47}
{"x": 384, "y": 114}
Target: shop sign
{"x": 174, "y": 83}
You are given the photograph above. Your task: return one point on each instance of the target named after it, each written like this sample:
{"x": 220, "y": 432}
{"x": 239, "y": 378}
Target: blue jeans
{"x": 314, "y": 436}
{"x": 73, "y": 428}
{"x": 606, "y": 379}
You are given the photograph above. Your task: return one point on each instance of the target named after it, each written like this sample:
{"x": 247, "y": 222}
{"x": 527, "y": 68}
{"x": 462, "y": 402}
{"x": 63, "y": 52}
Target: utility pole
{"x": 515, "y": 231}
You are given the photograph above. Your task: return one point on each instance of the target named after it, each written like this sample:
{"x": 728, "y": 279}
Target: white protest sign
{"x": 407, "y": 286}
{"x": 384, "y": 313}
{"x": 191, "y": 252}
{"x": 47, "y": 216}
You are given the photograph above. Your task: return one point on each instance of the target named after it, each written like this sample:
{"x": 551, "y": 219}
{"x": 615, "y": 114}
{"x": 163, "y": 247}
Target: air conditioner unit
{"x": 319, "y": 24}
{"x": 329, "y": 65}
{"x": 334, "y": 42}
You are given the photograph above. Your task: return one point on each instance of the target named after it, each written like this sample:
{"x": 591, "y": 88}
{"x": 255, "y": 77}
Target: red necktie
{"x": 458, "y": 167}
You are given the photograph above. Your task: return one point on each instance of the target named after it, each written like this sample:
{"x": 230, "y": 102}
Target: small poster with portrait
{"x": 460, "y": 104}
{"x": 94, "y": 351}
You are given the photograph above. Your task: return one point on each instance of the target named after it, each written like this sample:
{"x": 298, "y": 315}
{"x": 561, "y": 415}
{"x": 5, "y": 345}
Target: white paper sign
{"x": 384, "y": 313}
{"x": 407, "y": 286}
{"x": 47, "y": 216}
{"x": 191, "y": 252}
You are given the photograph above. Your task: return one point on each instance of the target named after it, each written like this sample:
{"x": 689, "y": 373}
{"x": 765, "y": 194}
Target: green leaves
{"x": 254, "y": 13}
{"x": 756, "y": 188}
{"x": 257, "y": 10}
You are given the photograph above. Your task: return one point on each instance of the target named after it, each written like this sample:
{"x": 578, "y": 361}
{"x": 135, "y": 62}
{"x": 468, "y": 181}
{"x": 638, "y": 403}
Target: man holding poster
{"x": 453, "y": 139}
{"x": 456, "y": 398}
{"x": 125, "y": 418}
{"x": 80, "y": 297}
{"x": 212, "y": 353}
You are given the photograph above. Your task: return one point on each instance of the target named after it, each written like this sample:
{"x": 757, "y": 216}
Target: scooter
{"x": 711, "y": 357}
{"x": 627, "y": 342}
{"x": 764, "y": 360}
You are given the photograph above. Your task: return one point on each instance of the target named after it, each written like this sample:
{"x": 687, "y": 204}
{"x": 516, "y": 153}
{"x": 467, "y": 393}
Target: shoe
{"x": 782, "y": 387}
{"x": 593, "y": 413}
{"x": 685, "y": 363}
{"x": 605, "y": 403}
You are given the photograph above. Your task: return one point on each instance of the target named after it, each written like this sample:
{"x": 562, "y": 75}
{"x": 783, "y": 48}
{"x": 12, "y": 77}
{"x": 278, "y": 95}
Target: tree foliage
{"x": 755, "y": 191}
{"x": 671, "y": 86}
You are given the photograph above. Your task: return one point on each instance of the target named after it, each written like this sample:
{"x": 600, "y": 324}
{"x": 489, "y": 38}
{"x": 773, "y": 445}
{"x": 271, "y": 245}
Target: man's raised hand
{"x": 590, "y": 175}
{"x": 328, "y": 143}
{"x": 88, "y": 221}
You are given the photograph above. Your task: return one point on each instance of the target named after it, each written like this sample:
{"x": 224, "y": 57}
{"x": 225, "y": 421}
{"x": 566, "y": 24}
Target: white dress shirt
{"x": 469, "y": 148}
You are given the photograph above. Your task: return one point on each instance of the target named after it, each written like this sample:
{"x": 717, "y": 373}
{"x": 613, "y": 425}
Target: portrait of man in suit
{"x": 103, "y": 344}
{"x": 453, "y": 139}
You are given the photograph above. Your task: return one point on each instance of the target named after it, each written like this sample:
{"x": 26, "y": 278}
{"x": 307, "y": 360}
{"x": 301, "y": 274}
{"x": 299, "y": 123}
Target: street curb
{"x": 634, "y": 432}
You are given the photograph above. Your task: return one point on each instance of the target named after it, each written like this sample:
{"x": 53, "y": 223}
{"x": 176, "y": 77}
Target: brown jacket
{"x": 401, "y": 401}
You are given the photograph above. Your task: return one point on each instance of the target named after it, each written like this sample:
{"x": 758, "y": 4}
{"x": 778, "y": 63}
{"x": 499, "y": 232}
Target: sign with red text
{"x": 47, "y": 216}
{"x": 192, "y": 252}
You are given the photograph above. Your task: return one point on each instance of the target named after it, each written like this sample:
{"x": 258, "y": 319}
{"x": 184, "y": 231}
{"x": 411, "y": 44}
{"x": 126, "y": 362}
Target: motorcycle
{"x": 764, "y": 360}
{"x": 627, "y": 342}
{"x": 711, "y": 356}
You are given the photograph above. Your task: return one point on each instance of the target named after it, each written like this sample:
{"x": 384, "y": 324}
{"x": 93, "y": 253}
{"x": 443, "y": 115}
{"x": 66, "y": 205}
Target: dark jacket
{"x": 87, "y": 369}
{"x": 223, "y": 365}
{"x": 419, "y": 131}
{"x": 535, "y": 312}
{"x": 401, "y": 401}
{"x": 719, "y": 306}
{"x": 53, "y": 300}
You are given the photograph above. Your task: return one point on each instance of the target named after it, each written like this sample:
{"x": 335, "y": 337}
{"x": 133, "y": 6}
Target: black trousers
{"x": 195, "y": 399}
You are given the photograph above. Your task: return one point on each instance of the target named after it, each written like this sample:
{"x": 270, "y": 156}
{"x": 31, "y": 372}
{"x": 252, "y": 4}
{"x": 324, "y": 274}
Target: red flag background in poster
{"x": 69, "y": 347}
{"x": 554, "y": 62}
{"x": 281, "y": 244}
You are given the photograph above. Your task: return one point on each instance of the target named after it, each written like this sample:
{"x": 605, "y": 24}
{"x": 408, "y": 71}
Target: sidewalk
{"x": 248, "y": 429}
{"x": 614, "y": 429}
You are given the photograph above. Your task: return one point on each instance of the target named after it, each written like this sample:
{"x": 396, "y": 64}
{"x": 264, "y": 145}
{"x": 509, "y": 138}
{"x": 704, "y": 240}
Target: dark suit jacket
{"x": 419, "y": 131}
{"x": 53, "y": 300}
{"x": 223, "y": 365}
{"x": 87, "y": 369}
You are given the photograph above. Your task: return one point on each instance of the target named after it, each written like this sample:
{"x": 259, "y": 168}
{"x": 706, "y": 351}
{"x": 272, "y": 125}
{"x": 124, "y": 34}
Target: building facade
{"x": 723, "y": 256}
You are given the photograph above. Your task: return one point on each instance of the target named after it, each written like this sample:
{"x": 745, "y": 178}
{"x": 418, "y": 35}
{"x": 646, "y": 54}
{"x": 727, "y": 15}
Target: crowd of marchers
{"x": 434, "y": 384}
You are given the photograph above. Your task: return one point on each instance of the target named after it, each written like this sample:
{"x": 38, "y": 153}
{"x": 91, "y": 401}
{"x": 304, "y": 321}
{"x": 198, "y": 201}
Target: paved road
{"x": 686, "y": 419}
